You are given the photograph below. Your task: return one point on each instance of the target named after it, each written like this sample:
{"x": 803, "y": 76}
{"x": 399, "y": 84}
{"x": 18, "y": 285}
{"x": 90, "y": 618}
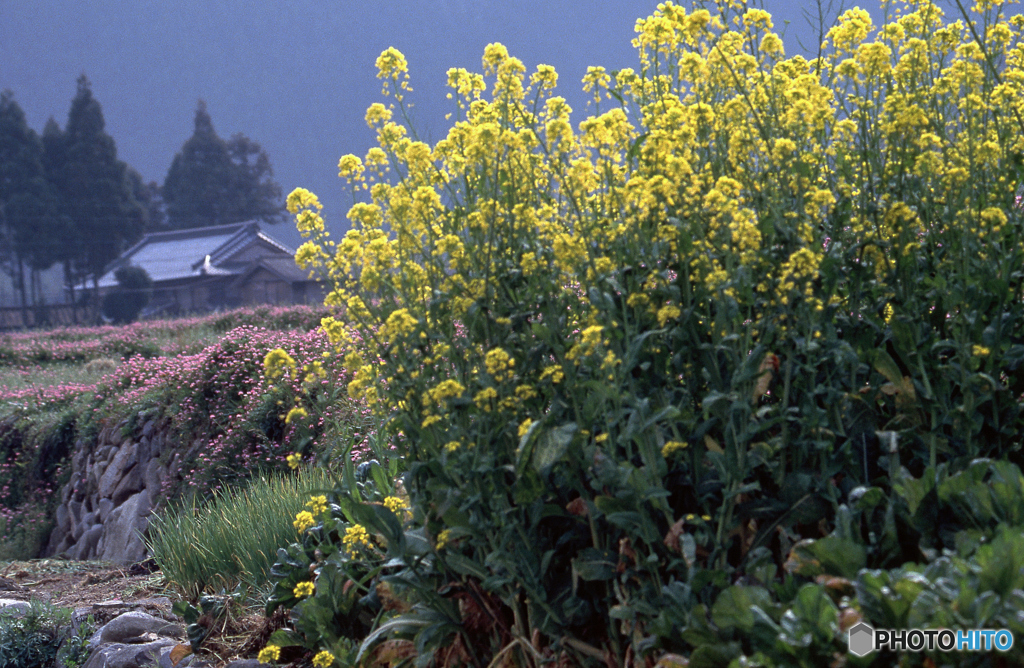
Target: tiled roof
{"x": 181, "y": 254}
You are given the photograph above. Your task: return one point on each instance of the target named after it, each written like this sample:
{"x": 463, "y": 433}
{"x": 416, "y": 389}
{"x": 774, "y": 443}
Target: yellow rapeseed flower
{"x": 323, "y": 659}
{"x": 304, "y": 589}
{"x": 303, "y": 521}
{"x": 317, "y": 504}
{"x": 355, "y": 537}
{"x": 668, "y": 312}
{"x": 671, "y": 447}
{"x": 276, "y": 362}
{"x": 394, "y": 503}
{"x": 391, "y": 63}
{"x": 294, "y": 460}
{"x": 269, "y": 653}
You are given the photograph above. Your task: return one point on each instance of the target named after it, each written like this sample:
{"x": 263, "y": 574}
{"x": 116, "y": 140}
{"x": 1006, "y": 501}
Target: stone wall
{"x": 115, "y": 484}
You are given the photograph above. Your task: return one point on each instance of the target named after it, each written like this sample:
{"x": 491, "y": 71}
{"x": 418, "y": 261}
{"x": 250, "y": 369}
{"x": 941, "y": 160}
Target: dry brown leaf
{"x": 672, "y": 661}
{"x": 847, "y": 618}
{"x": 392, "y": 652}
{"x": 577, "y": 507}
{"x": 178, "y": 653}
{"x": 712, "y": 444}
{"x": 673, "y": 536}
{"x": 769, "y": 365}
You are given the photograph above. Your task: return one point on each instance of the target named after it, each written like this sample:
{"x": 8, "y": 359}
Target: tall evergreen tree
{"x": 28, "y": 207}
{"x": 95, "y": 187}
{"x": 69, "y": 252}
{"x": 148, "y": 195}
{"x": 216, "y": 182}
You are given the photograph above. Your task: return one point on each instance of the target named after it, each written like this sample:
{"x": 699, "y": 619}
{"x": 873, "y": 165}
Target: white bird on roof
{"x": 207, "y": 267}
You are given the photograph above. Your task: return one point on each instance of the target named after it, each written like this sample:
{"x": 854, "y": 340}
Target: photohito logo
{"x": 863, "y": 639}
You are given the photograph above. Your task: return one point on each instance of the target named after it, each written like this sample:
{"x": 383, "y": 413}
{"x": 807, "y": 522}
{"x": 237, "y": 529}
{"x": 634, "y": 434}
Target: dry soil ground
{"x": 78, "y": 584}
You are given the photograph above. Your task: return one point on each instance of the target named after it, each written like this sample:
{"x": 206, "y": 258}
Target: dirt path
{"x": 73, "y": 584}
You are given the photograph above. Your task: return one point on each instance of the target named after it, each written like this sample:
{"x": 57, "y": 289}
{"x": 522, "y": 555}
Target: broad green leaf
{"x": 552, "y": 445}
{"x": 594, "y": 564}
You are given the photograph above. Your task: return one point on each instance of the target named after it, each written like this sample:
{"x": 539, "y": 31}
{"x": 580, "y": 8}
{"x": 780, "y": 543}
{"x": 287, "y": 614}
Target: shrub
{"x": 41, "y": 636}
{"x": 633, "y": 364}
{"x": 134, "y": 290}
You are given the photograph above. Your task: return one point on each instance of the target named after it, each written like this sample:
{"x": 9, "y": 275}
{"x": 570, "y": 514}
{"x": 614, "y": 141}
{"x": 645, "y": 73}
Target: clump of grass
{"x": 233, "y": 539}
{"x": 100, "y": 366}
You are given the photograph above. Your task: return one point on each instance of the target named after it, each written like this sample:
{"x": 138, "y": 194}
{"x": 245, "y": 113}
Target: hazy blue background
{"x": 297, "y": 76}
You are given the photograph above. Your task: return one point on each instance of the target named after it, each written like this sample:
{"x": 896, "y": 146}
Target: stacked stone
{"x": 114, "y": 486}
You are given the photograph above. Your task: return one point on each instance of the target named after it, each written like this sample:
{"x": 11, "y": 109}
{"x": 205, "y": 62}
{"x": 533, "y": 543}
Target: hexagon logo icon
{"x": 861, "y": 639}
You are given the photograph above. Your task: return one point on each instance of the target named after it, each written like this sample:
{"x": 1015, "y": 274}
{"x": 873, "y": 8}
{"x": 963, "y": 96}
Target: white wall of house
{"x": 51, "y": 280}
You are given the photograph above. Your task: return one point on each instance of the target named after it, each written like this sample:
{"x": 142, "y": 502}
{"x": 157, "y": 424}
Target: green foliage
{"x": 135, "y": 289}
{"x": 747, "y": 329}
{"x": 201, "y": 620}
{"x": 358, "y": 547}
{"x": 232, "y": 539}
{"x": 42, "y": 637}
{"x": 215, "y": 182}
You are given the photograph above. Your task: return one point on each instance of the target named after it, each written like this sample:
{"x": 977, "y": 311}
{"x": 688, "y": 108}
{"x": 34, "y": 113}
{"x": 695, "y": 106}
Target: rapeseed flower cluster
{"x": 355, "y": 537}
{"x": 541, "y": 282}
{"x": 752, "y": 217}
{"x": 303, "y": 520}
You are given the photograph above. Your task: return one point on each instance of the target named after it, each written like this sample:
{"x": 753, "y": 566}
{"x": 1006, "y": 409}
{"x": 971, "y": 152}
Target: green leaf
{"x": 866, "y": 498}
{"x": 379, "y": 519}
{"x": 733, "y": 609}
{"x": 719, "y": 655}
{"x": 552, "y": 445}
{"x": 840, "y": 556}
{"x": 285, "y": 638}
{"x": 594, "y": 564}
{"x": 886, "y": 365}
{"x": 813, "y": 618}
{"x": 528, "y": 488}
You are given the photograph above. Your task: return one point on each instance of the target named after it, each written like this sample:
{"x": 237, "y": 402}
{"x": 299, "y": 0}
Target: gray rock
{"x": 122, "y": 461}
{"x": 119, "y": 655}
{"x": 116, "y": 435}
{"x": 95, "y": 474}
{"x": 246, "y": 663}
{"x": 103, "y": 509}
{"x": 85, "y": 547}
{"x": 147, "y": 429}
{"x": 156, "y": 444}
{"x": 130, "y": 626}
{"x": 58, "y": 537}
{"x": 62, "y": 546}
{"x": 10, "y": 606}
{"x": 90, "y": 519}
{"x": 145, "y": 448}
{"x": 129, "y": 484}
{"x": 123, "y": 543}
{"x": 75, "y": 512}
{"x": 62, "y": 518}
{"x": 154, "y": 476}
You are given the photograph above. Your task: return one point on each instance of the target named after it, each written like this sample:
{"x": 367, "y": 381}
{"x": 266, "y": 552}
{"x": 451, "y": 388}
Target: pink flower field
{"x": 202, "y": 377}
